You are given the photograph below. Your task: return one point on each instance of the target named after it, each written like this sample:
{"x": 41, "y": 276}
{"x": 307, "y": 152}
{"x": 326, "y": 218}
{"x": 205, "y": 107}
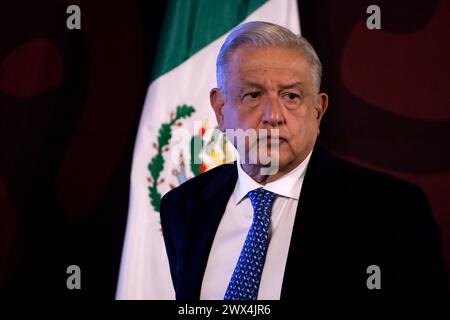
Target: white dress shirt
{"x": 235, "y": 224}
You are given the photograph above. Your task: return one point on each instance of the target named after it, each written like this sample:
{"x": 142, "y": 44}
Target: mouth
{"x": 272, "y": 140}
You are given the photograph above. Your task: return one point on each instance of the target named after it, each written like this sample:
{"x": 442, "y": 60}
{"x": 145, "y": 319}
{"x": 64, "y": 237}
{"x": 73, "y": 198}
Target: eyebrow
{"x": 282, "y": 87}
{"x": 292, "y": 85}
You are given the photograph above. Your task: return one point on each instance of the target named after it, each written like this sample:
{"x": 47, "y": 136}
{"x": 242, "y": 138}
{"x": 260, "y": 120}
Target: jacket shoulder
{"x": 199, "y": 183}
{"x": 373, "y": 180}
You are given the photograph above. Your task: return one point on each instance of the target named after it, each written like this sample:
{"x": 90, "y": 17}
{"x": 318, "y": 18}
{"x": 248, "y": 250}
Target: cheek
{"x": 230, "y": 117}
{"x": 301, "y": 128}
{"x": 238, "y": 117}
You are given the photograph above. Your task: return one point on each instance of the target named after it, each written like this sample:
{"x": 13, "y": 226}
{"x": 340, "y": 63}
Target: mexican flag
{"x": 177, "y": 137}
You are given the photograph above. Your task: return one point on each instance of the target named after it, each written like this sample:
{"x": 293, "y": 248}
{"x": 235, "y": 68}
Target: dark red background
{"x": 70, "y": 103}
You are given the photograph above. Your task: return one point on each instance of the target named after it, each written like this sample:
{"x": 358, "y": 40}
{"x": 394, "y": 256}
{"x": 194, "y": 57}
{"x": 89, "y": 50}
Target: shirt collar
{"x": 289, "y": 185}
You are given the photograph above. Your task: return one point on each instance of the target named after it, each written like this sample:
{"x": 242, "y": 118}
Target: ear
{"x": 217, "y": 101}
{"x": 321, "y": 107}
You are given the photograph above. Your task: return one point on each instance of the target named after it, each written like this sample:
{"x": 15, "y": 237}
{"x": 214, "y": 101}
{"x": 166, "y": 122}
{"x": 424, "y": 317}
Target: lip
{"x": 269, "y": 138}
{"x": 268, "y": 141}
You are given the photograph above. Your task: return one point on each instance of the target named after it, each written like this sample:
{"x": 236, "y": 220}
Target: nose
{"x": 272, "y": 114}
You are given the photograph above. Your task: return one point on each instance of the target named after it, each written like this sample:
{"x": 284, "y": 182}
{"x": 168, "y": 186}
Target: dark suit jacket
{"x": 348, "y": 218}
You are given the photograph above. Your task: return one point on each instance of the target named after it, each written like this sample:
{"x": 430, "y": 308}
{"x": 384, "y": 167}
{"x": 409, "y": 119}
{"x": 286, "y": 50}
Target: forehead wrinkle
{"x": 246, "y": 83}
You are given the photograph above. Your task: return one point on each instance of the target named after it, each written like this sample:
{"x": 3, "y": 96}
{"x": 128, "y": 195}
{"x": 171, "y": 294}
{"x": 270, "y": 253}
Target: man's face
{"x": 272, "y": 88}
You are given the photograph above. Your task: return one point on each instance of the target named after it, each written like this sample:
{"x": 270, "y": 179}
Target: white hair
{"x": 262, "y": 35}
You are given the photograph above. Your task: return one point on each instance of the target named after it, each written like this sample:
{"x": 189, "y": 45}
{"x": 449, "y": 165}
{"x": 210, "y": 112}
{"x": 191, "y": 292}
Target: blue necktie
{"x": 244, "y": 283}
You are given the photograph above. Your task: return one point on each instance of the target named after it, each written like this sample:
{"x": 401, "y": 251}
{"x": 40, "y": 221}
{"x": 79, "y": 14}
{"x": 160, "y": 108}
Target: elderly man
{"x": 317, "y": 226}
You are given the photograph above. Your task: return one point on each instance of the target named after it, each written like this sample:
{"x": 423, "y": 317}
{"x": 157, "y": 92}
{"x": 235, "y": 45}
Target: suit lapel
{"x": 313, "y": 228}
{"x": 206, "y": 214}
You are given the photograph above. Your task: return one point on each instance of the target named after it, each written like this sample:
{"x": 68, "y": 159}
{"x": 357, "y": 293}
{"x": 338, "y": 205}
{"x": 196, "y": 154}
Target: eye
{"x": 292, "y": 96}
{"x": 252, "y": 98}
{"x": 252, "y": 95}
{"x": 291, "y": 99}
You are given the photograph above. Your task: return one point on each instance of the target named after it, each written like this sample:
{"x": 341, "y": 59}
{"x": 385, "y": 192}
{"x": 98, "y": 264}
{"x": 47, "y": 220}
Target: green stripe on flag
{"x": 190, "y": 25}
